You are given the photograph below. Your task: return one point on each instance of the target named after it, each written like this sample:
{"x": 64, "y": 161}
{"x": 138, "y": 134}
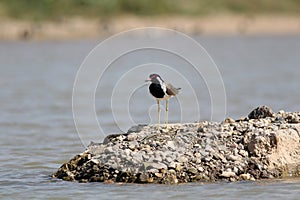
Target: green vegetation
{"x": 57, "y": 9}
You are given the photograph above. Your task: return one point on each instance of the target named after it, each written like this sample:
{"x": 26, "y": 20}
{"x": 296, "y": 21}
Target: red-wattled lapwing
{"x": 161, "y": 90}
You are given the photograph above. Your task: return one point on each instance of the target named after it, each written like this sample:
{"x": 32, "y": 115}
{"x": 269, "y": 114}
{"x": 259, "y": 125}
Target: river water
{"x": 38, "y": 132}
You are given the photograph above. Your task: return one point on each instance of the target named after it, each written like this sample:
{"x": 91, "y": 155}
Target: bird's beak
{"x": 148, "y": 79}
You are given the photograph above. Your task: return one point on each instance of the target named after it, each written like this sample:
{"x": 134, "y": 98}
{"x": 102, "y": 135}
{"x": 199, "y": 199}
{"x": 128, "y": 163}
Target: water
{"x": 38, "y": 133}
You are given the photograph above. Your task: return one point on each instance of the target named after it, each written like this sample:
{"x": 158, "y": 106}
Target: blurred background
{"x": 255, "y": 45}
{"x": 68, "y": 19}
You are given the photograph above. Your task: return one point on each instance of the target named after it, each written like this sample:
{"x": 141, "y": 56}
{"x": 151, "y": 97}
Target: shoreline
{"x": 82, "y": 28}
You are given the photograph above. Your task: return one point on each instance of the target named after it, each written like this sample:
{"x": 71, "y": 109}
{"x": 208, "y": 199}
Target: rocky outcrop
{"x": 262, "y": 145}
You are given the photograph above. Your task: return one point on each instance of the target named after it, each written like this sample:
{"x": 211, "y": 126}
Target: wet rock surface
{"x": 262, "y": 145}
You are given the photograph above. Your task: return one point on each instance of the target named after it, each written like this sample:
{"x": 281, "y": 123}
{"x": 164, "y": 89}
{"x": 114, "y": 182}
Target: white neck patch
{"x": 163, "y": 85}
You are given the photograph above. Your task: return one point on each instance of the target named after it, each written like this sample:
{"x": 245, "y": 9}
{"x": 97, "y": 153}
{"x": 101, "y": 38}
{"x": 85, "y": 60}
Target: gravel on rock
{"x": 262, "y": 145}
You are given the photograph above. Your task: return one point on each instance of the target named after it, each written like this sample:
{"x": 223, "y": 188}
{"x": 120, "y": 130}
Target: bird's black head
{"x": 154, "y": 78}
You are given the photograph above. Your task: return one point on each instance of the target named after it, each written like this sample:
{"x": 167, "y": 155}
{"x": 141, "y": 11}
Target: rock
{"x": 172, "y": 165}
{"x": 200, "y": 169}
{"x": 153, "y": 170}
{"x": 178, "y": 167}
{"x": 149, "y": 165}
{"x": 243, "y": 153}
{"x": 132, "y": 145}
{"x": 229, "y": 120}
{"x": 261, "y": 143}
{"x": 192, "y": 170}
{"x": 182, "y": 159}
{"x": 197, "y": 145}
{"x": 258, "y": 146}
{"x": 233, "y": 158}
{"x": 227, "y": 174}
{"x": 111, "y": 138}
{"x": 157, "y": 159}
{"x": 136, "y": 129}
{"x": 144, "y": 178}
{"x": 127, "y": 152}
{"x": 132, "y": 136}
{"x": 171, "y": 145}
{"x": 168, "y": 159}
{"x": 245, "y": 176}
{"x": 293, "y": 119}
{"x": 261, "y": 112}
{"x": 159, "y": 175}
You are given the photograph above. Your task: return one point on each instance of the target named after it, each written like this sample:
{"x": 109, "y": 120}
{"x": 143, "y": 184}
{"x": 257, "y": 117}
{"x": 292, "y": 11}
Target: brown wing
{"x": 171, "y": 90}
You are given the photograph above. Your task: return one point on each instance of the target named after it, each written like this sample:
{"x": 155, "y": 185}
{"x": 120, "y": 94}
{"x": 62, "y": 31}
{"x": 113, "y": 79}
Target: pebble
{"x": 228, "y": 174}
{"x": 243, "y": 153}
{"x": 235, "y": 170}
{"x": 153, "y": 170}
{"x": 229, "y": 120}
{"x": 233, "y": 158}
{"x": 168, "y": 159}
{"x": 197, "y": 145}
{"x": 178, "y": 167}
{"x": 172, "y": 165}
{"x": 192, "y": 170}
{"x": 201, "y": 169}
{"x": 171, "y": 145}
{"x": 159, "y": 175}
{"x": 127, "y": 152}
{"x": 131, "y": 146}
{"x": 157, "y": 159}
{"x": 155, "y": 165}
{"x": 245, "y": 176}
{"x": 182, "y": 159}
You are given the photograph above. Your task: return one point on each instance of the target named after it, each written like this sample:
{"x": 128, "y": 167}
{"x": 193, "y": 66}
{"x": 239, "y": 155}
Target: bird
{"x": 161, "y": 90}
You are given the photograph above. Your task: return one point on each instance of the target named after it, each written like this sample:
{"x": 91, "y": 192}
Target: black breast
{"x": 156, "y": 90}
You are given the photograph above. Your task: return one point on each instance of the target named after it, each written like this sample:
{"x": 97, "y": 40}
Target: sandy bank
{"x": 79, "y": 28}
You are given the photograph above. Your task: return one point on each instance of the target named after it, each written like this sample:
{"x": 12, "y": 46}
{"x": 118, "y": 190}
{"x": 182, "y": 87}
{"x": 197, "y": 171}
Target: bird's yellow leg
{"x": 158, "y": 106}
{"x": 167, "y": 111}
